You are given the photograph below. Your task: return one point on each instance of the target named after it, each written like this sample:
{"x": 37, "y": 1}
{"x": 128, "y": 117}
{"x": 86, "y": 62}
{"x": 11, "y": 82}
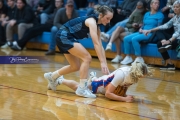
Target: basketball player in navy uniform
{"x": 78, "y": 57}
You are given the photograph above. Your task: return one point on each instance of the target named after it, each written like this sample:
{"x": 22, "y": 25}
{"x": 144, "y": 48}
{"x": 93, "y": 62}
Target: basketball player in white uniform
{"x": 113, "y": 84}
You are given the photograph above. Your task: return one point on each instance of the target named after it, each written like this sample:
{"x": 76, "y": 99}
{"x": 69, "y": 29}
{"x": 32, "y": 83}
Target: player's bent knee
{"x": 75, "y": 68}
{"x": 88, "y": 58}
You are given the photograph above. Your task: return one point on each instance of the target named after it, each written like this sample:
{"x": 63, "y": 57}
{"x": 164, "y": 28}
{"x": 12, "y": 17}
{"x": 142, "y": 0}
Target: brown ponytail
{"x": 103, "y": 9}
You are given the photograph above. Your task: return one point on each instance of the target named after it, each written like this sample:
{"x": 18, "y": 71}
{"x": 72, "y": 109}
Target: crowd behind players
{"x": 30, "y": 18}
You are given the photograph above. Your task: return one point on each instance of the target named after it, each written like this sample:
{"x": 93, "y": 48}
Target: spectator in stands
{"x": 3, "y": 14}
{"x": 63, "y": 15}
{"x": 171, "y": 42}
{"x": 124, "y": 10}
{"x": 3, "y": 10}
{"x": 168, "y": 14}
{"x": 45, "y": 10}
{"x": 24, "y": 18}
{"x": 168, "y": 10}
{"x": 151, "y": 19}
{"x": 37, "y": 29}
{"x": 10, "y": 15}
{"x": 120, "y": 18}
{"x": 133, "y": 25}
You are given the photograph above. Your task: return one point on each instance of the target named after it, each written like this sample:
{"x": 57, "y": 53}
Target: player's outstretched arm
{"x": 111, "y": 95}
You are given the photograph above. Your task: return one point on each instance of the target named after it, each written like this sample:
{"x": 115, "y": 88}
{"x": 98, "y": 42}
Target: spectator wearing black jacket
{"x": 3, "y": 14}
{"x": 37, "y": 29}
{"x": 24, "y": 18}
{"x": 45, "y": 10}
{"x": 3, "y": 10}
{"x": 10, "y": 15}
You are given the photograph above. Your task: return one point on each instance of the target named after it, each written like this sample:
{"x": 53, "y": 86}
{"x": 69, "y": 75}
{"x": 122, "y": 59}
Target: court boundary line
{"x": 80, "y": 102}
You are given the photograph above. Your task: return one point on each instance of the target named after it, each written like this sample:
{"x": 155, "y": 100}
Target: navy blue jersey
{"x": 77, "y": 27}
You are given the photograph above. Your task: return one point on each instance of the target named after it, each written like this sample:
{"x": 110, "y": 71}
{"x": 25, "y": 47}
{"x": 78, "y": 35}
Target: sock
{"x": 55, "y": 75}
{"x": 83, "y": 83}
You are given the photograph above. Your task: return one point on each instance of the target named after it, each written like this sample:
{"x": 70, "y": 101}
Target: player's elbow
{"x": 107, "y": 94}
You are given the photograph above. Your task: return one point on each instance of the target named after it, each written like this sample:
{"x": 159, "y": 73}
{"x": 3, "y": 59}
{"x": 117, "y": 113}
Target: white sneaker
{"x": 117, "y": 59}
{"x": 104, "y": 37}
{"x": 85, "y": 92}
{"x": 92, "y": 76}
{"x": 127, "y": 60}
{"x": 139, "y": 59}
{"x": 58, "y": 81}
{"x": 108, "y": 47}
{"x": 5, "y": 46}
{"x": 51, "y": 83}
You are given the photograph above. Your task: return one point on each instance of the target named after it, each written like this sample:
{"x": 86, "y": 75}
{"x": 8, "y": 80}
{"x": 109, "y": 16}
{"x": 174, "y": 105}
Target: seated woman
{"x": 114, "y": 85}
{"x": 172, "y": 42}
{"x": 133, "y": 25}
{"x": 151, "y": 20}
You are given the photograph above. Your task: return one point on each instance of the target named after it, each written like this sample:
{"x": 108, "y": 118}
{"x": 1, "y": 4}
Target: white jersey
{"x": 118, "y": 77}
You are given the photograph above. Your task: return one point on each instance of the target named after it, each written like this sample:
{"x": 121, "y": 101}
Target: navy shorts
{"x": 65, "y": 40}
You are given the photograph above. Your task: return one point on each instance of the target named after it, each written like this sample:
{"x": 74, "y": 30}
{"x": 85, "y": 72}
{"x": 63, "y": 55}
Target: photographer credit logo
{"x": 22, "y": 60}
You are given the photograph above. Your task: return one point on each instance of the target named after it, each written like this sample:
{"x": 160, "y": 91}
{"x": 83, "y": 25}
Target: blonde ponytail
{"x": 138, "y": 70}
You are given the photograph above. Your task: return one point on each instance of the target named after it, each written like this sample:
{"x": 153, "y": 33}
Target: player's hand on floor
{"x": 129, "y": 98}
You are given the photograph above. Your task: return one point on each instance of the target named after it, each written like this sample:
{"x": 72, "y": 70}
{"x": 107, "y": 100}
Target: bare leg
{"x": 118, "y": 41}
{"x": 116, "y": 34}
{"x": 74, "y": 65}
{"x": 115, "y": 38}
{"x": 73, "y": 84}
{"x": 76, "y": 53}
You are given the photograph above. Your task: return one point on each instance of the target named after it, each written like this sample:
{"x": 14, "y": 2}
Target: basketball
{"x": 120, "y": 91}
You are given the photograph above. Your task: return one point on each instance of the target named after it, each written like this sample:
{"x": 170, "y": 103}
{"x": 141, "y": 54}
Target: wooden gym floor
{"x": 24, "y": 94}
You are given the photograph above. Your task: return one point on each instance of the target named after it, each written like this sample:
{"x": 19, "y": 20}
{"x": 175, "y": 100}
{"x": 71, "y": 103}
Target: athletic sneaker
{"x": 127, "y": 60}
{"x": 164, "y": 48}
{"x": 85, "y": 92}
{"x": 104, "y": 37}
{"x": 5, "y": 46}
{"x": 108, "y": 47}
{"x": 92, "y": 76}
{"x": 117, "y": 59}
{"x": 139, "y": 59}
{"x": 58, "y": 81}
{"x": 51, "y": 82}
{"x": 168, "y": 67}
